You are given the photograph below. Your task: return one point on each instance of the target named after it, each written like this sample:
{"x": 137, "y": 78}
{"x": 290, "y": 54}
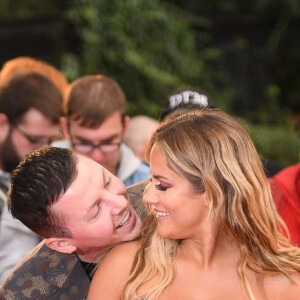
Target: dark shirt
{"x": 89, "y": 268}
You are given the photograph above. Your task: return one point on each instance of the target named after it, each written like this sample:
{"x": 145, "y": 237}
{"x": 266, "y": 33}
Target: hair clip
{"x": 188, "y": 97}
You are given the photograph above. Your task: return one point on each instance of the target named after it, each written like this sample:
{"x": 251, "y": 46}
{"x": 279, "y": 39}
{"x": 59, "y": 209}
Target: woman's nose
{"x": 150, "y": 196}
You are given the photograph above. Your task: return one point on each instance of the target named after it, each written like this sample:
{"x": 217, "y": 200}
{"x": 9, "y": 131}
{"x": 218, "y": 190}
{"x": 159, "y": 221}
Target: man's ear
{"x": 63, "y": 245}
{"x": 126, "y": 125}
{"x": 64, "y": 127}
{"x": 4, "y": 126}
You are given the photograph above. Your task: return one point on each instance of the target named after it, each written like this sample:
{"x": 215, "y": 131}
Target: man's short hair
{"x": 93, "y": 98}
{"x": 36, "y": 184}
{"x": 26, "y": 64}
{"x": 30, "y": 90}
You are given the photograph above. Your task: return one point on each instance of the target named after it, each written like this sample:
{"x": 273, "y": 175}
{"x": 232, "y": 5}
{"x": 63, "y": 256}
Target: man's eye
{"x": 160, "y": 187}
{"x": 98, "y": 210}
{"x": 107, "y": 183}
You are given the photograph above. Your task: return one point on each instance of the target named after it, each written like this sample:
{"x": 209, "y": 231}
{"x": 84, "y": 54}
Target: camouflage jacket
{"x": 47, "y": 274}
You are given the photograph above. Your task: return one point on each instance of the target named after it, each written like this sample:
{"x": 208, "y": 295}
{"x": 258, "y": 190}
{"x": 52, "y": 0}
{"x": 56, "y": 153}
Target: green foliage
{"x": 278, "y": 143}
{"x": 260, "y": 7}
{"x": 147, "y": 46}
{"x": 22, "y": 10}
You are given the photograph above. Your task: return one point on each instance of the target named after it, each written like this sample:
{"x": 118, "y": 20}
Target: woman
{"x": 213, "y": 231}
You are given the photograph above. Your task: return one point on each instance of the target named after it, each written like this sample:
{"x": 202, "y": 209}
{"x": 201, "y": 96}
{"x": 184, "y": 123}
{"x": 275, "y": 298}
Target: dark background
{"x": 245, "y": 54}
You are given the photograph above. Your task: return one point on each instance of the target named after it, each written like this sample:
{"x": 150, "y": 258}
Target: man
{"x": 30, "y": 110}
{"x": 140, "y": 129}
{"x": 26, "y": 64}
{"x": 97, "y": 123}
{"x": 80, "y": 208}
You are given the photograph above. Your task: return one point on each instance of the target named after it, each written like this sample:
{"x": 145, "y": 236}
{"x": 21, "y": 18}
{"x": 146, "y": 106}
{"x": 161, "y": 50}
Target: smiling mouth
{"x": 161, "y": 214}
{"x": 125, "y": 219}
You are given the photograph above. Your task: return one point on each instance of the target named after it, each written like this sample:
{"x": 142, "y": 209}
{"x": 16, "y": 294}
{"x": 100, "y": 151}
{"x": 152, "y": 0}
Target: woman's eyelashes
{"x": 161, "y": 187}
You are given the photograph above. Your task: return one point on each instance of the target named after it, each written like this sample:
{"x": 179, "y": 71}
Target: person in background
{"x": 285, "y": 187}
{"x": 96, "y": 124}
{"x": 139, "y": 132}
{"x": 26, "y": 64}
{"x": 30, "y": 110}
{"x": 81, "y": 209}
{"x": 213, "y": 231}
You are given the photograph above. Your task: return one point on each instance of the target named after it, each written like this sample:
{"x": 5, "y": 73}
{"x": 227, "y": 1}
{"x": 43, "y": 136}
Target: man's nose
{"x": 118, "y": 204}
{"x": 96, "y": 155}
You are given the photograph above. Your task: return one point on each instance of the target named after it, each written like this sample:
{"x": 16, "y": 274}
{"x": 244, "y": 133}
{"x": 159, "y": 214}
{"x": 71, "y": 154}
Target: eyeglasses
{"x": 86, "y": 148}
{"x": 34, "y": 140}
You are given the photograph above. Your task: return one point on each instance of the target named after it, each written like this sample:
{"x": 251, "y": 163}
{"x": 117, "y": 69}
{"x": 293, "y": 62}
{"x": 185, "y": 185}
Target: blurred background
{"x": 245, "y": 54}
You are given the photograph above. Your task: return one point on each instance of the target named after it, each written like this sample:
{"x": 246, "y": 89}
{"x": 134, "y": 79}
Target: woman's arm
{"x": 113, "y": 272}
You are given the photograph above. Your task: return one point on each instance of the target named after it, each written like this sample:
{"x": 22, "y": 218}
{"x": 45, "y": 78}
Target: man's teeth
{"x": 125, "y": 220}
{"x": 162, "y": 214}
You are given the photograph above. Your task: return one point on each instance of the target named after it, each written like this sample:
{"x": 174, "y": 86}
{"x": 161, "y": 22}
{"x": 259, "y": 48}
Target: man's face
{"x": 96, "y": 210}
{"x": 33, "y": 132}
{"x": 102, "y": 144}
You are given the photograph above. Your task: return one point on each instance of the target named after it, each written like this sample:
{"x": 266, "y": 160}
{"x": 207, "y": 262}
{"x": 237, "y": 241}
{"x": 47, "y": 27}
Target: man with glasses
{"x": 30, "y": 110}
{"x": 96, "y": 123}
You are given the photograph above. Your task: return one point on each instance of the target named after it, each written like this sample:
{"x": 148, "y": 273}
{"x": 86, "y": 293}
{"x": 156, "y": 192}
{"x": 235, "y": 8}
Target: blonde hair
{"x": 214, "y": 153}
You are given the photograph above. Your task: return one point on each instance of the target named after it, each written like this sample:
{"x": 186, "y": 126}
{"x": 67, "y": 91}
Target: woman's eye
{"x": 160, "y": 187}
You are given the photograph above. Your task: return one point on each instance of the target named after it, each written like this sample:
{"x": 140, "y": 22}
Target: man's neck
{"x": 92, "y": 257}
{"x": 95, "y": 256}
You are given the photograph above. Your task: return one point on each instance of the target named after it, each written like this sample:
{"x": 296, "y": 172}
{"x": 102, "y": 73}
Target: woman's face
{"x": 181, "y": 213}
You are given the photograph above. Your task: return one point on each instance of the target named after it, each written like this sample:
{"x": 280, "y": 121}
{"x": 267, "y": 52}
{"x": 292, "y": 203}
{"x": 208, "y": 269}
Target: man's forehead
{"x": 87, "y": 165}
{"x": 77, "y": 121}
{"x": 89, "y": 179}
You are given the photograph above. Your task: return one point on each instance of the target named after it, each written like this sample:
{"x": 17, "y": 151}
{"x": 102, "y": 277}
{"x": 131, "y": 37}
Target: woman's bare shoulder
{"x": 121, "y": 255}
{"x": 283, "y": 286}
{"x": 128, "y": 249}
{"x": 113, "y": 271}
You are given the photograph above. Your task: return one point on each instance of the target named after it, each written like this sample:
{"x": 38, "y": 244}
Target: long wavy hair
{"x": 211, "y": 149}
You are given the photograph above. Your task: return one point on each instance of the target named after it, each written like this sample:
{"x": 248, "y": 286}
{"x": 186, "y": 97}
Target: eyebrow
{"x": 159, "y": 177}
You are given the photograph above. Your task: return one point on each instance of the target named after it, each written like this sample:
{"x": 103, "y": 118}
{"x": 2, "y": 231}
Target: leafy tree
{"x": 22, "y": 10}
{"x": 147, "y": 46}
{"x": 259, "y": 43}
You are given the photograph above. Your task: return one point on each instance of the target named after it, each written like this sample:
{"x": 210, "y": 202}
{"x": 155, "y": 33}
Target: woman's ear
{"x": 206, "y": 202}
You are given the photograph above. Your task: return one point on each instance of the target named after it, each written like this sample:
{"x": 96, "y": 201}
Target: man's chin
{"x": 136, "y": 230}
